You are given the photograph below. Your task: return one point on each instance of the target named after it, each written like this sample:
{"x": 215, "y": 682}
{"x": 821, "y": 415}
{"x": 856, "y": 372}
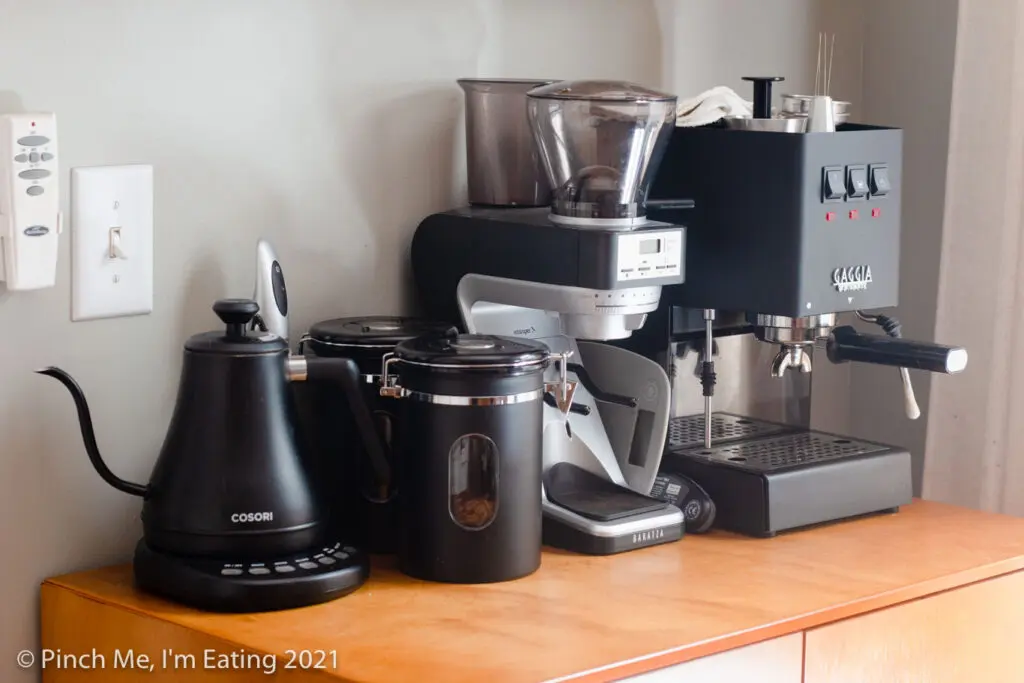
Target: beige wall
{"x": 330, "y": 127}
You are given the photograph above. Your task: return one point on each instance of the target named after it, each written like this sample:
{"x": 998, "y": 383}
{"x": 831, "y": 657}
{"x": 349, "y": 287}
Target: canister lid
{"x": 607, "y": 91}
{"x": 473, "y": 351}
{"x": 376, "y": 331}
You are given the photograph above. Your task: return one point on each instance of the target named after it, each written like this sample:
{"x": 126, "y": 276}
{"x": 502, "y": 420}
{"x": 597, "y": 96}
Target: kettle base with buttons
{"x": 320, "y": 575}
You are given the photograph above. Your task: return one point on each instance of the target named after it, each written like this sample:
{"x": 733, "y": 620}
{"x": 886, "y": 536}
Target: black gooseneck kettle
{"x": 231, "y": 482}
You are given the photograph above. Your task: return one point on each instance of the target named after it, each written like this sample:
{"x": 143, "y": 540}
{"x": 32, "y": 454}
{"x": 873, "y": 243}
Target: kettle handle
{"x": 345, "y": 372}
{"x": 89, "y": 437}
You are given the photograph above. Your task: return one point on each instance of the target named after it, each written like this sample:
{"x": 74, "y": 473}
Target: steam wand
{"x": 891, "y": 326}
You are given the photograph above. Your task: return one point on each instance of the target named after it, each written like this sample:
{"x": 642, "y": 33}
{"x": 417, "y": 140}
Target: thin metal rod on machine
{"x": 709, "y": 318}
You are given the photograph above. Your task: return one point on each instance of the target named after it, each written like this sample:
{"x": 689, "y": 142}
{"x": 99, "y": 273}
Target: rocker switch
{"x": 834, "y": 185}
{"x": 857, "y": 182}
{"x": 880, "y": 185}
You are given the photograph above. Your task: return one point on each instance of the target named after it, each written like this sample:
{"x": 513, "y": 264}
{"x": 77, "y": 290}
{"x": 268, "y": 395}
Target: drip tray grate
{"x": 784, "y": 451}
{"x": 688, "y": 432}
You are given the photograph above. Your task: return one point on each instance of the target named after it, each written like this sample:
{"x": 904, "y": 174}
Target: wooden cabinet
{"x": 974, "y": 633}
{"x": 932, "y": 594}
{"x": 779, "y": 660}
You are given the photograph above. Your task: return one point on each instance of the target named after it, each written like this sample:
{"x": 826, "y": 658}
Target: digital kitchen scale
{"x": 330, "y": 572}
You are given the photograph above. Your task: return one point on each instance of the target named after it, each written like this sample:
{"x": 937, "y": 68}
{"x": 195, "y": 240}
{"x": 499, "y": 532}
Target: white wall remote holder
{"x": 30, "y": 217}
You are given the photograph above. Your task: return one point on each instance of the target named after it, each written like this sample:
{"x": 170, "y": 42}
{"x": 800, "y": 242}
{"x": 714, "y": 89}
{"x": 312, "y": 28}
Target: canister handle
{"x": 564, "y": 388}
{"x": 388, "y": 385}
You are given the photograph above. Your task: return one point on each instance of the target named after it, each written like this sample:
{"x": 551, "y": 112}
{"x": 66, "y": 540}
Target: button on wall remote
{"x": 33, "y": 140}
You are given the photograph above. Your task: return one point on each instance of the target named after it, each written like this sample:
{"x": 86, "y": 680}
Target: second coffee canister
{"x": 470, "y": 443}
{"x": 362, "y": 515}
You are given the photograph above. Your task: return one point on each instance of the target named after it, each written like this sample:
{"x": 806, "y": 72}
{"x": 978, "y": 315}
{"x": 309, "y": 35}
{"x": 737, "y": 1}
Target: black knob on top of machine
{"x": 763, "y": 94}
{"x": 236, "y": 314}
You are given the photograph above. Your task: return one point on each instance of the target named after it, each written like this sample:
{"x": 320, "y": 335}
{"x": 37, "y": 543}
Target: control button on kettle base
{"x": 21, "y": 158}
{"x": 47, "y": 156}
{"x": 34, "y": 191}
{"x": 34, "y": 174}
{"x": 33, "y": 140}
{"x": 257, "y": 571}
{"x": 327, "y": 560}
{"x": 33, "y": 157}
{"x": 341, "y": 555}
{"x": 230, "y": 572}
{"x": 308, "y": 565}
{"x": 284, "y": 568}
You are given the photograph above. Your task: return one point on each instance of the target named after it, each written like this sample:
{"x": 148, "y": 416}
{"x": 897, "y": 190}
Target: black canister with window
{"x": 363, "y": 513}
{"x": 470, "y": 443}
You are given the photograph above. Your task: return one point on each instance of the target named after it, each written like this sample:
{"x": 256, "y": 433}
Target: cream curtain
{"x": 975, "y": 435}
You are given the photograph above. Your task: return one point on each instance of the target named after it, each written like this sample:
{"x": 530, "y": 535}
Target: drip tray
{"x": 687, "y": 432}
{"x": 784, "y": 451}
{"x": 766, "y": 477}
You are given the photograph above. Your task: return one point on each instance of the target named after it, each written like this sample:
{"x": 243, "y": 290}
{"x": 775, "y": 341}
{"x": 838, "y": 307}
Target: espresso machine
{"x": 789, "y": 230}
{"x": 587, "y": 269}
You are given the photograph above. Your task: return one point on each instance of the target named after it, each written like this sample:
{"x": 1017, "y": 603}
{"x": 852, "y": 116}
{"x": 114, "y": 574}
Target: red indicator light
{"x": 830, "y": 216}
{"x": 33, "y": 124}
{"x": 875, "y": 213}
{"x": 854, "y": 214}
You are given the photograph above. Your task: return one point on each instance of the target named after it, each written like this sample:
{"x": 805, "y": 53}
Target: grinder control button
{"x": 880, "y": 185}
{"x": 834, "y": 187}
{"x": 857, "y": 182}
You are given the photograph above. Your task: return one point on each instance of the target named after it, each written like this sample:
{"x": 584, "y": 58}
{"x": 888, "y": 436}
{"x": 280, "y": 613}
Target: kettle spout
{"x": 85, "y": 422}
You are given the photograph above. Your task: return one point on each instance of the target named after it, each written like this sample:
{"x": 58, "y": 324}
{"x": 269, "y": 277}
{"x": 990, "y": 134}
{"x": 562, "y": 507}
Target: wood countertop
{"x": 603, "y": 618}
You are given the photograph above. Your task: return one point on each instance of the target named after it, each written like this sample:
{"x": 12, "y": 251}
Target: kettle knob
{"x": 236, "y": 314}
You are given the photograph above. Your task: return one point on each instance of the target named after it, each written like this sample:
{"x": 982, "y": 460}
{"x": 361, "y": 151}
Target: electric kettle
{"x": 231, "y": 519}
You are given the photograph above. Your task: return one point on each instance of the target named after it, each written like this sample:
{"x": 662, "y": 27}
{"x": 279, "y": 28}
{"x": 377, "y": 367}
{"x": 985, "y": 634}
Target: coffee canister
{"x": 364, "y": 515}
{"x": 470, "y": 443}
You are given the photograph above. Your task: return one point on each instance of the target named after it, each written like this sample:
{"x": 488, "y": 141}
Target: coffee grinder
{"x": 587, "y": 269}
{"x": 789, "y": 230}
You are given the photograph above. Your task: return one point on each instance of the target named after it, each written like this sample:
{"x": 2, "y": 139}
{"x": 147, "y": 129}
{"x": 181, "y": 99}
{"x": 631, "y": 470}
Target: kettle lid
{"x": 241, "y": 335}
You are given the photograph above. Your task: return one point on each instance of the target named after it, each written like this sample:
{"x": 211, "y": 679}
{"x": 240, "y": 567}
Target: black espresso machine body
{"x": 787, "y": 231}
{"x": 786, "y": 224}
{"x": 231, "y": 519}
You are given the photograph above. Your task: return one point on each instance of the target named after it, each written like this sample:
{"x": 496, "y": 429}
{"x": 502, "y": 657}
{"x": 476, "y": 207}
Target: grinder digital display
{"x": 650, "y": 247}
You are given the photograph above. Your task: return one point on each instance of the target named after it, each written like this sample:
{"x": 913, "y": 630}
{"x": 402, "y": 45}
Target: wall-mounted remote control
{"x": 30, "y": 219}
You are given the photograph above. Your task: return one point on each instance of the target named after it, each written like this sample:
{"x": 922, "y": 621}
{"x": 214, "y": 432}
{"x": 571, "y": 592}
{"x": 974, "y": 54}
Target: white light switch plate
{"x": 112, "y": 241}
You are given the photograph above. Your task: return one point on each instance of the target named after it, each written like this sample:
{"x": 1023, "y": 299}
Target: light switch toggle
{"x": 115, "y": 250}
